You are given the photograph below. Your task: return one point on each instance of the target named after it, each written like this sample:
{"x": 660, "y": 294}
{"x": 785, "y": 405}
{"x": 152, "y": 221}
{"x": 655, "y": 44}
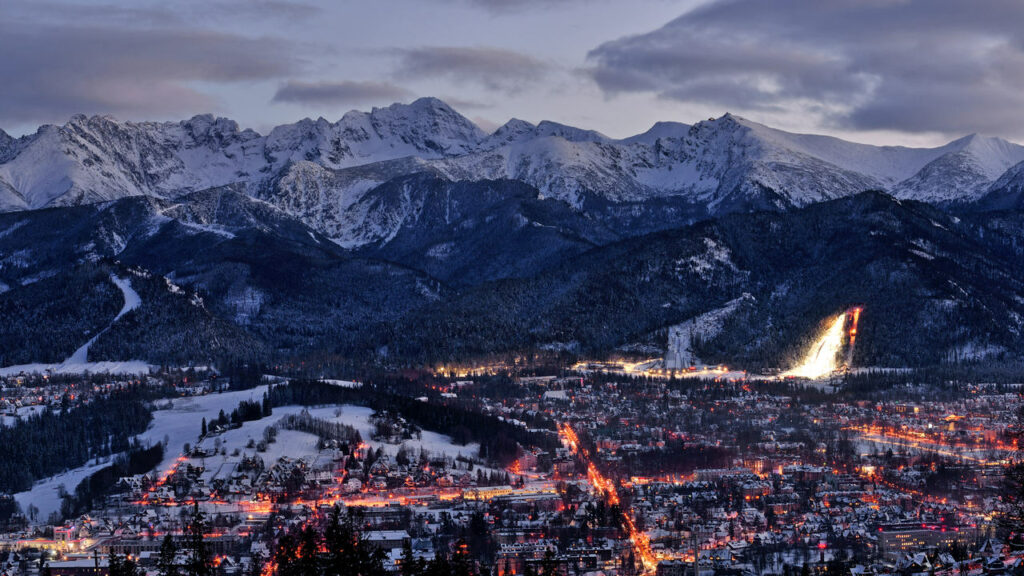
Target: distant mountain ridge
{"x": 488, "y": 268}
{"x": 320, "y": 171}
{"x": 408, "y": 234}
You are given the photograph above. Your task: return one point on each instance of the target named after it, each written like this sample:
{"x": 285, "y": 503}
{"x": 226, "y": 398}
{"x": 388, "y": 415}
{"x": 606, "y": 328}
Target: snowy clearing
{"x": 44, "y": 494}
{"x": 178, "y": 421}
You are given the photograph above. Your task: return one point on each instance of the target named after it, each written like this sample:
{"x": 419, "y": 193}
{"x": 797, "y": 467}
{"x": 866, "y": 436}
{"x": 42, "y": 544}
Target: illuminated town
{"x": 612, "y": 467}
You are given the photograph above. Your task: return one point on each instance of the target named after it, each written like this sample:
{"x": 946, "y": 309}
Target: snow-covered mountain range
{"x": 321, "y": 172}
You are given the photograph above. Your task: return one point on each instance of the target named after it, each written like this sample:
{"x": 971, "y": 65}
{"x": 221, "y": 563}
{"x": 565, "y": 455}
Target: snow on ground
{"x": 131, "y": 302}
{"x": 213, "y": 229}
{"x": 178, "y": 421}
{"x": 182, "y": 420}
{"x": 715, "y": 256}
{"x": 125, "y": 368}
{"x": 181, "y": 423}
{"x": 20, "y": 413}
{"x": 44, "y": 494}
{"x": 343, "y": 383}
{"x": 680, "y": 352}
{"x": 359, "y": 418}
{"x": 78, "y": 362}
{"x": 289, "y": 443}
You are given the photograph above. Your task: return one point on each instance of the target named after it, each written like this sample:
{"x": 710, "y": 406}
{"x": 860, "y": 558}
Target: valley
{"x": 398, "y": 339}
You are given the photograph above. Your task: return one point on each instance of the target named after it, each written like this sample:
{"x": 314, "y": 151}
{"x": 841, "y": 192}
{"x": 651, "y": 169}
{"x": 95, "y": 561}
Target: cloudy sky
{"x": 914, "y": 72}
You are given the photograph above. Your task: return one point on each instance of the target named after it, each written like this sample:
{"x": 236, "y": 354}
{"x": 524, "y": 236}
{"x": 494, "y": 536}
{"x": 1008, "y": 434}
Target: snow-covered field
{"x": 44, "y": 494}
{"x": 19, "y": 413}
{"x": 126, "y": 368}
{"x": 78, "y": 362}
{"x": 181, "y": 423}
{"x": 178, "y": 421}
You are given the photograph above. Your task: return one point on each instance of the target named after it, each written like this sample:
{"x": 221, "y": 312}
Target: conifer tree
{"x": 166, "y": 563}
{"x": 200, "y": 562}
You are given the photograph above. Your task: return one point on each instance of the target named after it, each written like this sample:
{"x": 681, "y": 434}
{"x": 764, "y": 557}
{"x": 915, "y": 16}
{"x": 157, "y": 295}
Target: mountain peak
{"x": 515, "y": 125}
{"x": 1006, "y": 193}
{"x": 993, "y": 154}
{"x": 570, "y": 133}
{"x": 431, "y": 119}
{"x": 429, "y": 102}
{"x": 83, "y": 120}
{"x": 511, "y": 131}
{"x": 426, "y": 105}
{"x": 203, "y": 123}
{"x": 663, "y": 129}
{"x": 721, "y": 162}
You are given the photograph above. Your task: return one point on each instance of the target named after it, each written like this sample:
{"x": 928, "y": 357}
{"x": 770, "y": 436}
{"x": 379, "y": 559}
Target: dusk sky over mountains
{"x": 878, "y": 71}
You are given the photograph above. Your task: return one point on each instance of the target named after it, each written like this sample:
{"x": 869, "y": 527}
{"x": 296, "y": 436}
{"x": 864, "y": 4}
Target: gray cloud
{"x": 341, "y": 92}
{"x": 507, "y": 6}
{"x": 914, "y": 65}
{"x": 51, "y": 71}
{"x": 494, "y": 69}
{"x": 465, "y": 104}
{"x": 195, "y": 12}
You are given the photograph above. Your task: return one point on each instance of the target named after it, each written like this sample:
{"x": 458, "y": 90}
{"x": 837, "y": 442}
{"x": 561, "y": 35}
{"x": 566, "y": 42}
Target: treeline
{"x": 243, "y": 375}
{"x": 323, "y": 429}
{"x": 498, "y": 440}
{"x": 340, "y": 549}
{"x": 675, "y": 458}
{"x": 89, "y": 492}
{"x": 50, "y": 442}
{"x": 247, "y": 411}
{"x": 47, "y": 320}
{"x": 173, "y": 326}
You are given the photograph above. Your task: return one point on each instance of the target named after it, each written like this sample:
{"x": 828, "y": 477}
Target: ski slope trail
{"x": 132, "y": 300}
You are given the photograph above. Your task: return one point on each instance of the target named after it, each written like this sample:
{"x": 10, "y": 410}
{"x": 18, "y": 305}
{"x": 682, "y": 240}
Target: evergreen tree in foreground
{"x": 123, "y": 566}
{"x": 166, "y": 563}
{"x": 200, "y": 562}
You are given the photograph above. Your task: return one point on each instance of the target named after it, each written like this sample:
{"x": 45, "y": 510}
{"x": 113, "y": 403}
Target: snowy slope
{"x": 723, "y": 162}
{"x": 967, "y": 169}
{"x": 78, "y": 362}
{"x": 1007, "y": 192}
{"x": 427, "y": 128}
{"x": 680, "y": 353}
{"x": 318, "y": 170}
{"x": 131, "y": 301}
{"x": 97, "y": 159}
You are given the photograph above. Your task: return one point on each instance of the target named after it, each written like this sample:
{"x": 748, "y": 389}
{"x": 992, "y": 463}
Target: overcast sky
{"x": 914, "y": 72}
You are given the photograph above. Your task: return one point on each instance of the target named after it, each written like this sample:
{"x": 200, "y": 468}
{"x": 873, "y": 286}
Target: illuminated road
{"x": 641, "y": 543}
{"x": 921, "y": 443}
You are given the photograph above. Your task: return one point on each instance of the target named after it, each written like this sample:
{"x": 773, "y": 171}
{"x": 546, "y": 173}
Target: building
{"x": 895, "y": 540}
{"x": 386, "y": 539}
{"x": 80, "y": 567}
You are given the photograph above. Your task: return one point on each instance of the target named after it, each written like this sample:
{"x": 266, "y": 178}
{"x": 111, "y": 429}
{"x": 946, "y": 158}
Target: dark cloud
{"x": 342, "y": 92}
{"x": 465, "y": 104}
{"x": 52, "y": 71}
{"x": 492, "y": 68}
{"x": 914, "y": 65}
{"x": 194, "y": 12}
